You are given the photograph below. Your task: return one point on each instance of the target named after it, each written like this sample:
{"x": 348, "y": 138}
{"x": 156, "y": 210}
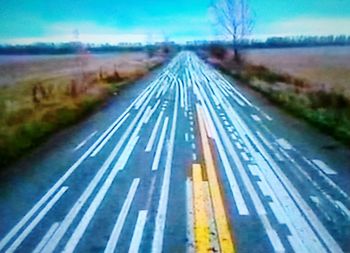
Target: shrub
{"x": 217, "y": 51}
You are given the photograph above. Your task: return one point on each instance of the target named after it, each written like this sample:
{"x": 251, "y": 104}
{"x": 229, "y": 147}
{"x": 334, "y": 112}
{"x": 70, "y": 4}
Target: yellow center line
{"x": 201, "y": 218}
{"x": 222, "y": 224}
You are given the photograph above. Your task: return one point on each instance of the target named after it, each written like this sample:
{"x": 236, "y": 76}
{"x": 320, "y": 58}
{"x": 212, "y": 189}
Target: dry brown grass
{"x": 19, "y": 69}
{"x": 326, "y": 67}
{"x": 49, "y": 93}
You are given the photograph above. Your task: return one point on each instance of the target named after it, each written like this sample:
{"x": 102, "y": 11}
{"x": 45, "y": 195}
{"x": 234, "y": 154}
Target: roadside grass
{"x": 33, "y": 110}
{"x": 324, "y": 108}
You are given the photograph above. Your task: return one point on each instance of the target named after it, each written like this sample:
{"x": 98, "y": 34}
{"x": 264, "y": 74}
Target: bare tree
{"x": 234, "y": 18}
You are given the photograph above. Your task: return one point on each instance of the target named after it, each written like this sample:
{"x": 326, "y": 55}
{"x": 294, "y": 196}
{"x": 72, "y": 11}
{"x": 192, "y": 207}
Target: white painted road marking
{"x": 46, "y": 238}
{"x": 157, "y": 244}
{"x": 324, "y": 167}
{"x": 103, "y": 143}
{"x": 113, "y": 239}
{"x": 256, "y": 118}
{"x": 154, "y": 133}
{"x": 160, "y": 145}
{"x": 186, "y": 137}
{"x": 81, "y": 144}
{"x": 138, "y": 232}
{"x": 284, "y": 144}
{"x": 190, "y": 220}
{"x": 36, "y": 220}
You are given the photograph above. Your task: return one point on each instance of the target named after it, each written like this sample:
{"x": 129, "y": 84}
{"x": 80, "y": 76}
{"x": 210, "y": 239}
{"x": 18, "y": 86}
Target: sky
{"x": 148, "y": 21}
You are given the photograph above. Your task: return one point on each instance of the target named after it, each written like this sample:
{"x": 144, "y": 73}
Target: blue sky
{"x": 152, "y": 20}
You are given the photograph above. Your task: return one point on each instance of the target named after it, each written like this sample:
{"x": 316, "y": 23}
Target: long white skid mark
{"x": 124, "y": 157}
{"x": 154, "y": 133}
{"x": 157, "y": 244}
{"x": 36, "y": 220}
{"x": 114, "y": 237}
{"x": 138, "y": 232}
{"x": 46, "y": 238}
{"x": 160, "y": 145}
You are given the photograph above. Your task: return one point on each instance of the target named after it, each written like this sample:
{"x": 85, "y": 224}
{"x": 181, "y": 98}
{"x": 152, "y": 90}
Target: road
{"x": 184, "y": 163}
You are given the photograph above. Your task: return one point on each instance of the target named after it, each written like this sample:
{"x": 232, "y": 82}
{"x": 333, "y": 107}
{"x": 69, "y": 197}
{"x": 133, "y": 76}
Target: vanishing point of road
{"x": 184, "y": 163}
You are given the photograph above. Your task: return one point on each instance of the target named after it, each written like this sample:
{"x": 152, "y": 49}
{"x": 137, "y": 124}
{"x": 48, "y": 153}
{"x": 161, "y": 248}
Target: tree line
{"x": 279, "y": 42}
{"x": 273, "y": 42}
{"x": 66, "y": 48}
{"x": 340, "y": 40}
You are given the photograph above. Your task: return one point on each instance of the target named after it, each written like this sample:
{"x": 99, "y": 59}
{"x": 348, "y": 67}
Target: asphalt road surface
{"x": 182, "y": 162}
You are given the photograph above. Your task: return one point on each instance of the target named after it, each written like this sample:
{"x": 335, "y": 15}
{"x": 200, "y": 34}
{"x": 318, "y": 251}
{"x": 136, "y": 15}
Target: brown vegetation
{"x": 325, "y": 67}
{"x": 37, "y": 106}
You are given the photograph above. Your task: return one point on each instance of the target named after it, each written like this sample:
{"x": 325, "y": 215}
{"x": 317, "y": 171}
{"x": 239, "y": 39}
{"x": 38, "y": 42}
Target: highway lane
{"x": 188, "y": 165}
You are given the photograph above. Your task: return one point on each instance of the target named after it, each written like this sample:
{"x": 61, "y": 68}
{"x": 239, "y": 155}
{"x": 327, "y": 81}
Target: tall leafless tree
{"x": 235, "y": 19}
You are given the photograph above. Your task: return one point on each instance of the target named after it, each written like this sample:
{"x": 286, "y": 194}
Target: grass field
{"x": 19, "y": 69}
{"x": 42, "y": 94}
{"x": 323, "y": 66}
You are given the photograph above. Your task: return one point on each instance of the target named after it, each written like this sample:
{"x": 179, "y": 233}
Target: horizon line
{"x": 258, "y": 38}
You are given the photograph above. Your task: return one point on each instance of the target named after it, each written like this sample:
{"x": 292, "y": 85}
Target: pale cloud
{"x": 180, "y": 29}
{"x": 83, "y": 27}
{"x": 88, "y": 32}
{"x": 308, "y": 26}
